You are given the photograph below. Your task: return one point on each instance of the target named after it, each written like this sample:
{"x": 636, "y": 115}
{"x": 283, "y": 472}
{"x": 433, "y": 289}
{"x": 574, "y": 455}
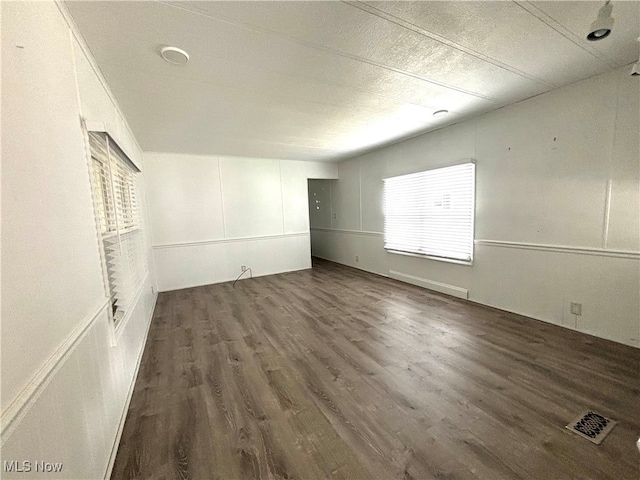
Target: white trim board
{"x": 352, "y": 232}
{"x": 229, "y": 240}
{"x": 561, "y": 248}
{"x": 452, "y": 290}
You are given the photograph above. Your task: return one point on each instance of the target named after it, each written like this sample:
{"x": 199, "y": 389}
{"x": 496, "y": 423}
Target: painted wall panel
{"x": 185, "y": 193}
{"x": 251, "y": 197}
{"x": 345, "y": 197}
{"x": 542, "y": 167}
{"x": 624, "y": 212}
{"x": 204, "y": 264}
{"x": 442, "y": 147}
{"x": 343, "y": 247}
{"x": 372, "y": 171}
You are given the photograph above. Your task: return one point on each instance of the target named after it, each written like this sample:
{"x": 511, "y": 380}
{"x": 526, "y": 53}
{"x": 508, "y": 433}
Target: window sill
{"x": 431, "y": 257}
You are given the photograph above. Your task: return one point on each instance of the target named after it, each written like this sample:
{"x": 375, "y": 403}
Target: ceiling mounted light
{"x": 174, "y": 55}
{"x": 601, "y": 26}
{"x": 440, "y": 113}
{"x": 635, "y": 70}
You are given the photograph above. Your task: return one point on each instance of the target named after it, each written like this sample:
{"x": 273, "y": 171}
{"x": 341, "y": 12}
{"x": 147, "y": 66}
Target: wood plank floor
{"x": 337, "y": 373}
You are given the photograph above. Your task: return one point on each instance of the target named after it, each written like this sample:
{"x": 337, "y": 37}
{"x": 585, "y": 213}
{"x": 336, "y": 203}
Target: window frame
{"x": 126, "y": 220}
{"x": 429, "y": 256}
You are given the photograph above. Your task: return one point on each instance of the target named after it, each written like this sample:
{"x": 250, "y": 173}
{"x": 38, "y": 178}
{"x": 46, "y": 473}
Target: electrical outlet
{"x": 243, "y": 268}
{"x": 357, "y": 258}
{"x": 576, "y": 308}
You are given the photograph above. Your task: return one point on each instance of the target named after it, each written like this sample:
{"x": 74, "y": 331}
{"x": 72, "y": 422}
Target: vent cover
{"x": 592, "y": 426}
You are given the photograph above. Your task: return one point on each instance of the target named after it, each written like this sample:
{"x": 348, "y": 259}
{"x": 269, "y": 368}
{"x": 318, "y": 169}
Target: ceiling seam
{"x": 562, "y": 30}
{"x": 284, "y": 144}
{"x": 332, "y": 51}
{"x": 421, "y": 123}
{"x": 275, "y": 95}
{"x": 443, "y": 40}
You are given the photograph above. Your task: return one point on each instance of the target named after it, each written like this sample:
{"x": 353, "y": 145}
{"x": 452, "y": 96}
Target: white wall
{"x": 557, "y": 217}
{"x": 66, "y": 375}
{"x": 210, "y": 215}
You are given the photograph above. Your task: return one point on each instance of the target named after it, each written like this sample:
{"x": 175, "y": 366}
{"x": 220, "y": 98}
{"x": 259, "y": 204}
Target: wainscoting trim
{"x": 561, "y": 248}
{"x": 229, "y": 240}
{"x": 352, "y": 232}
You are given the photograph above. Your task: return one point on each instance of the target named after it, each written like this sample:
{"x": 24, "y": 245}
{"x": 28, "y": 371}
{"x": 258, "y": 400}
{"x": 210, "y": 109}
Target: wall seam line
{"x": 609, "y": 187}
{"x": 224, "y": 223}
{"x": 281, "y": 195}
{"x": 360, "y": 188}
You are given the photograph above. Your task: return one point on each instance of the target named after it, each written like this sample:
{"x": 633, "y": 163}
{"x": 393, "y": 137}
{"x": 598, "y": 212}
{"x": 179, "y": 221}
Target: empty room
{"x": 320, "y": 240}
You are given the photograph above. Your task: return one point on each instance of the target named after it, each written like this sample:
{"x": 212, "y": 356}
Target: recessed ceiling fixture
{"x": 601, "y": 26}
{"x": 440, "y": 113}
{"x": 635, "y": 70}
{"x": 174, "y": 55}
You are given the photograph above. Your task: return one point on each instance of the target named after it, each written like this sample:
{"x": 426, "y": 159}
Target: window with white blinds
{"x": 122, "y": 242}
{"x": 431, "y": 213}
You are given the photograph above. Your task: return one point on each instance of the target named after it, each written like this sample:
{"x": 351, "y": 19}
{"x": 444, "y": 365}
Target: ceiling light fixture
{"x": 601, "y": 26}
{"x": 635, "y": 70}
{"x": 174, "y": 55}
{"x": 440, "y": 113}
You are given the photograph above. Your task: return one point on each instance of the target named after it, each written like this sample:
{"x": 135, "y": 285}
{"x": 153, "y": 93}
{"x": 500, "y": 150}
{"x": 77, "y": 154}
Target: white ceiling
{"x": 319, "y": 80}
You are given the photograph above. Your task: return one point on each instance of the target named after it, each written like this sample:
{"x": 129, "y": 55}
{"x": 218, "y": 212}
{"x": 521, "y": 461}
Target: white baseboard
{"x": 431, "y": 284}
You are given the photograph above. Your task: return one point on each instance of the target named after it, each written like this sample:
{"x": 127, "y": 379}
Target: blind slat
{"x": 113, "y": 183}
{"x": 432, "y": 212}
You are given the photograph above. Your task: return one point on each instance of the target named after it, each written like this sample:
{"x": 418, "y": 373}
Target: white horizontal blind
{"x": 101, "y": 183}
{"x": 125, "y": 268}
{"x": 113, "y": 182}
{"x": 432, "y": 212}
{"x": 124, "y": 188}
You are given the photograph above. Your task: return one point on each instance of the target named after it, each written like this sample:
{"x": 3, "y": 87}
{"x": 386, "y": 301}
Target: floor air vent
{"x": 592, "y": 426}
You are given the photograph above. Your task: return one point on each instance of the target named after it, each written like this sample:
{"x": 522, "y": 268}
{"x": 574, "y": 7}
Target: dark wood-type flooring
{"x": 337, "y": 373}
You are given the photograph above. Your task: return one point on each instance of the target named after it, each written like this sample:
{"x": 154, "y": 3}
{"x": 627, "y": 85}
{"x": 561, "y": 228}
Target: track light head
{"x": 601, "y": 26}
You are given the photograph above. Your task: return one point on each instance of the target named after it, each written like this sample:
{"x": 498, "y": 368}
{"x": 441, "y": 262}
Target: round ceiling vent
{"x": 174, "y": 55}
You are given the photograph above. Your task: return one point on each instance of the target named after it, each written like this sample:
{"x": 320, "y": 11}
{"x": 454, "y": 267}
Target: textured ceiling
{"x": 328, "y": 80}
